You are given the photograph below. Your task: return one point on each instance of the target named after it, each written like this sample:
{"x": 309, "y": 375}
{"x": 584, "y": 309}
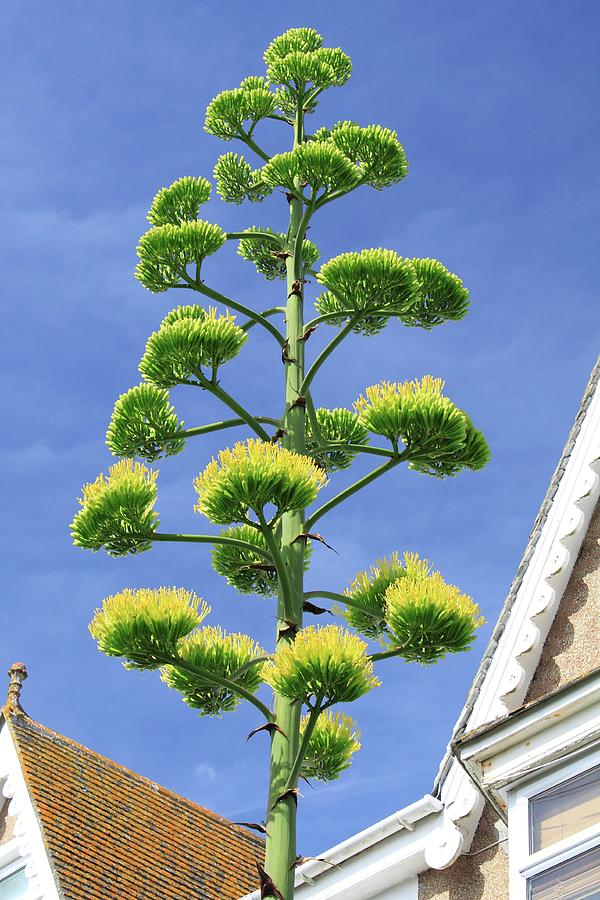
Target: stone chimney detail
{"x": 17, "y": 675}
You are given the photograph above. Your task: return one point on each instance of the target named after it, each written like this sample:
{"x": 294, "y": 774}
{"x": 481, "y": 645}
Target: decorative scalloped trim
{"x": 502, "y": 687}
{"x": 27, "y": 830}
{"x": 545, "y": 601}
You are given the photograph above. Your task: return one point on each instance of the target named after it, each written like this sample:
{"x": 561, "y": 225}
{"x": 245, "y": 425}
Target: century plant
{"x": 263, "y": 489}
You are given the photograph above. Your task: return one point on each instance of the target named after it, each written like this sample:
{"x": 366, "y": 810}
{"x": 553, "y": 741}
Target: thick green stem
{"x": 352, "y": 489}
{"x": 280, "y": 564}
{"x": 256, "y": 235}
{"x": 311, "y": 412}
{"x": 281, "y": 813}
{"x": 327, "y": 351}
{"x": 211, "y": 678}
{"x": 386, "y": 654}
{"x": 328, "y": 317}
{"x": 328, "y": 198}
{"x": 226, "y": 423}
{"x": 239, "y": 307}
{"x": 257, "y": 661}
{"x": 310, "y": 727}
{"x": 215, "y": 388}
{"x": 254, "y": 146}
{"x": 207, "y": 539}
{"x": 266, "y": 312}
{"x": 339, "y": 598}
{"x": 356, "y": 448}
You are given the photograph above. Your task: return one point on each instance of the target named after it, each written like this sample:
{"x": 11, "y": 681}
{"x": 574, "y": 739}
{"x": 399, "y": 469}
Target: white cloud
{"x": 205, "y": 772}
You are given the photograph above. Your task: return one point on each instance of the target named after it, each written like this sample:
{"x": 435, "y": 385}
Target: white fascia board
{"x": 387, "y": 855}
{"x": 538, "y": 737}
{"x": 520, "y": 646}
{"x": 28, "y": 834}
{"x": 393, "y": 862}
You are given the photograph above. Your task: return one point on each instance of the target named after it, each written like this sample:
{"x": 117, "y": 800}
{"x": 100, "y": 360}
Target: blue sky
{"x": 496, "y": 105}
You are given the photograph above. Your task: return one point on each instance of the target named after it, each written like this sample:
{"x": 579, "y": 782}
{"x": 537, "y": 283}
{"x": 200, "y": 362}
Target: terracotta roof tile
{"x": 114, "y": 835}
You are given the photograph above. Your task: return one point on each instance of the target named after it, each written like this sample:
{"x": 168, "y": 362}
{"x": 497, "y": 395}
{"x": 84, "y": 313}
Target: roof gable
{"x": 514, "y": 650}
{"x": 112, "y": 834}
{"x": 23, "y": 819}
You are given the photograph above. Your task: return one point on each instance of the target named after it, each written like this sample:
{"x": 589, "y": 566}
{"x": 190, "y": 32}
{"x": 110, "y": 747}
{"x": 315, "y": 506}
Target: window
{"x": 14, "y": 886}
{"x": 554, "y": 832}
{"x": 566, "y": 809}
{"x": 574, "y": 880}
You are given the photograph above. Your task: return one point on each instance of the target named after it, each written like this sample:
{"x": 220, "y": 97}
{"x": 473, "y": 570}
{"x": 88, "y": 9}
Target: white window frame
{"x": 523, "y": 864}
{"x": 11, "y": 861}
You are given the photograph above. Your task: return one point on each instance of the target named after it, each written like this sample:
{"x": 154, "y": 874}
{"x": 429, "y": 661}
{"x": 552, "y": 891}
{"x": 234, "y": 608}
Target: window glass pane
{"x": 564, "y": 810}
{"x": 15, "y": 887}
{"x": 578, "y": 879}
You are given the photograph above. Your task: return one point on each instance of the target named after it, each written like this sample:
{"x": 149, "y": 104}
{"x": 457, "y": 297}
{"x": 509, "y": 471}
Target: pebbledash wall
{"x": 7, "y": 823}
{"x": 571, "y": 650}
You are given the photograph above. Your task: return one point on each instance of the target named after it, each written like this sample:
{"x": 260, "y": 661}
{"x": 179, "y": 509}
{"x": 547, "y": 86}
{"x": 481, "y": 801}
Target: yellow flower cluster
{"x": 253, "y": 475}
{"x": 407, "y": 393}
{"x": 117, "y": 511}
{"x": 210, "y": 651}
{"x": 431, "y": 427}
{"x": 213, "y": 641}
{"x": 145, "y": 626}
{"x": 124, "y": 473}
{"x": 367, "y": 592}
{"x": 387, "y": 569}
{"x": 323, "y": 661}
{"x": 431, "y": 590}
{"x": 428, "y": 618}
{"x": 331, "y": 746}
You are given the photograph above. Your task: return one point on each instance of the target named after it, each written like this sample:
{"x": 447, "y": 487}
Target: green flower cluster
{"x": 338, "y": 427}
{"x": 412, "y": 609}
{"x": 231, "y": 110}
{"x": 238, "y": 181}
{"x": 145, "y": 627}
{"x": 337, "y": 160}
{"x": 247, "y": 571}
{"x": 144, "y": 424}
{"x": 428, "y": 618}
{"x": 440, "y": 439}
{"x": 189, "y": 339}
{"x": 180, "y": 202}
{"x": 166, "y": 251}
{"x": 299, "y": 63}
{"x": 151, "y": 629}
{"x": 210, "y": 652}
{"x": 324, "y": 662}
{"x": 367, "y": 593}
{"x": 255, "y": 475}
{"x": 331, "y": 746}
{"x": 117, "y": 511}
{"x": 318, "y": 164}
{"x": 372, "y": 286}
{"x": 270, "y": 261}
{"x": 374, "y": 150}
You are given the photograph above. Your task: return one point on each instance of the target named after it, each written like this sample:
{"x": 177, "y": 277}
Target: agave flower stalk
{"x": 262, "y": 492}
{"x": 281, "y": 814}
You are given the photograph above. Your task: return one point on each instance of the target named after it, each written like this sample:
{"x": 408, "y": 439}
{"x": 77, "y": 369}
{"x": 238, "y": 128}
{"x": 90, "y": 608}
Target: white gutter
{"x": 404, "y": 818}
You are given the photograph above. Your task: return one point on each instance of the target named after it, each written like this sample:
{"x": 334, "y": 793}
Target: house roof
{"x": 111, "y": 834}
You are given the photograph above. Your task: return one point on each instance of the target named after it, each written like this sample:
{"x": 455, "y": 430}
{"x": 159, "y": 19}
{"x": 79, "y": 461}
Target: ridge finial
{"x": 17, "y": 675}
